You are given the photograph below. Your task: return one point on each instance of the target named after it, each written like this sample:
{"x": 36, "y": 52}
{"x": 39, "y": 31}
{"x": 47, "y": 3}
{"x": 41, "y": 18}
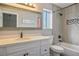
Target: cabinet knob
{"x": 45, "y": 50}
{"x": 26, "y": 54}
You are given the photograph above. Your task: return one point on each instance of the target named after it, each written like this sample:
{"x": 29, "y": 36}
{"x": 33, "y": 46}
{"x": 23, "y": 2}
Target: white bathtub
{"x": 70, "y": 49}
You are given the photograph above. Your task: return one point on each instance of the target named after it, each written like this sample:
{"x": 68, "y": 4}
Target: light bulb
{"x": 30, "y": 4}
{"x": 26, "y": 3}
{"x": 34, "y": 5}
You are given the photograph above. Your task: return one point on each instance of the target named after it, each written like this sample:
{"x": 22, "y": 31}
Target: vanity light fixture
{"x": 28, "y": 4}
{"x": 34, "y": 5}
{"x": 31, "y": 5}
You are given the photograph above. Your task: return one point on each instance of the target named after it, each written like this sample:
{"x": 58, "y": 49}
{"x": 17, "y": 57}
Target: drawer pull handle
{"x": 26, "y": 54}
{"x": 45, "y": 50}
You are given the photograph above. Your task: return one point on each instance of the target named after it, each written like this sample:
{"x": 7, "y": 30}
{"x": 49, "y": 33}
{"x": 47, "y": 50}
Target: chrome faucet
{"x": 21, "y": 35}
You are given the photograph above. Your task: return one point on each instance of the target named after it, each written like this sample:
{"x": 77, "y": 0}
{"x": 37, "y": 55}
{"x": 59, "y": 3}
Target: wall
{"x": 71, "y": 32}
{"x": 46, "y": 6}
{"x": 15, "y": 33}
{"x": 21, "y": 15}
{"x": 56, "y": 22}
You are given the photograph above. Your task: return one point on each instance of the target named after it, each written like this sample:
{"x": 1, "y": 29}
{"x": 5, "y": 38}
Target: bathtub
{"x": 69, "y": 49}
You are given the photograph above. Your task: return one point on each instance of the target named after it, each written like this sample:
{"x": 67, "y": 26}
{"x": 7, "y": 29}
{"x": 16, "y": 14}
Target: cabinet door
{"x": 3, "y": 51}
{"x": 34, "y": 51}
{"x": 45, "y": 45}
{"x": 45, "y": 50}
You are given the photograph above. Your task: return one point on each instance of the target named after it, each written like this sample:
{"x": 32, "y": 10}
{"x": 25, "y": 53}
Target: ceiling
{"x": 63, "y": 5}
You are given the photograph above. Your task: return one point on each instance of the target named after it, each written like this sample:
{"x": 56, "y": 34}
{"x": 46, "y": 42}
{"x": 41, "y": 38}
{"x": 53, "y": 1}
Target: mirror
{"x": 28, "y": 20}
{"x": 18, "y": 18}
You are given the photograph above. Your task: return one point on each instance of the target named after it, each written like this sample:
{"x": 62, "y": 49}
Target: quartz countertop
{"x": 19, "y": 40}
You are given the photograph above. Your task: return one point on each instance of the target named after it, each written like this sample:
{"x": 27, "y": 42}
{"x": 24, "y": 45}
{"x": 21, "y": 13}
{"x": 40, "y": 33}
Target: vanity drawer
{"x": 28, "y": 52}
{"x": 22, "y": 46}
{"x": 44, "y": 50}
{"x": 16, "y": 47}
{"x": 3, "y": 51}
{"x": 18, "y": 53}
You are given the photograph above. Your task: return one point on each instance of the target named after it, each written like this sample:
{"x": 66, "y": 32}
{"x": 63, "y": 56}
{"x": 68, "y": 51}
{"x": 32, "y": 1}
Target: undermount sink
{"x": 24, "y": 38}
{"x": 27, "y": 38}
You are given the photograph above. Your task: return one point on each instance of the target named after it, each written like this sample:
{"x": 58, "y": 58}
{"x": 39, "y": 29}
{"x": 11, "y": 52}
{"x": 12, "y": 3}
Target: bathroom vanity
{"x": 34, "y": 46}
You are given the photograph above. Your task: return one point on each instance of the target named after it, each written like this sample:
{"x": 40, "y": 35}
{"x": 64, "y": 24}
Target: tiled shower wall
{"x": 71, "y": 32}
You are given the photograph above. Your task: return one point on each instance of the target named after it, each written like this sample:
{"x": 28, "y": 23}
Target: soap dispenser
{"x": 21, "y": 35}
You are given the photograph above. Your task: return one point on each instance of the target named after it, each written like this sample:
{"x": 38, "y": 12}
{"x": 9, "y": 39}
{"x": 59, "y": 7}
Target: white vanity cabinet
{"x": 45, "y": 45}
{"x": 24, "y": 49}
{"x": 31, "y": 48}
{"x": 27, "y": 52}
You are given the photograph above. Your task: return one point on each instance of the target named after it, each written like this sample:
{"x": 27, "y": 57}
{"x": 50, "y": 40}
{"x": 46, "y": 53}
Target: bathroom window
{"x": 9, "y": 20}
{"x": 47, "y": 19}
